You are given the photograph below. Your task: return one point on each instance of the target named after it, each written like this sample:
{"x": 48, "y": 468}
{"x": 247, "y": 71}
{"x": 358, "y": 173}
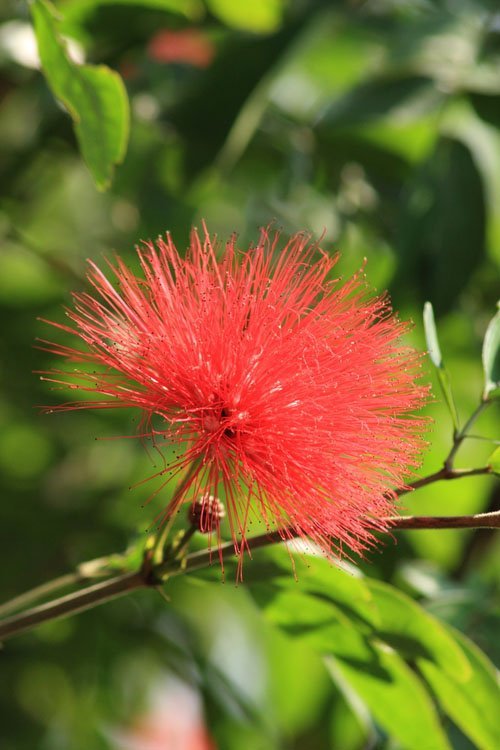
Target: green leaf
{"x": 487, "y": 107}
{"x": 412, "y": 631}
{"x": 365, "y": 645}
{"x": 373, "y": 100}
{"x": 494, "y": 461}
{"x": 375, "y": 608}
{"x": 273, "y": 569}
{"x": 491, "y": 357}
{"x": 473, "y": 704}
{"x": 320, "y": 624}
{"x": 259, "y": 16}
{"x": 437, "y": 360}
{"x": 77, "y": 12}
{"x": 251, "y": 59}
{"x": 395, "y": 696}
{"x": 439, "y": 247}
{"x": 348, "y": 591}
{"x": 431, "y": 336}
{"x": 94, "y": 96}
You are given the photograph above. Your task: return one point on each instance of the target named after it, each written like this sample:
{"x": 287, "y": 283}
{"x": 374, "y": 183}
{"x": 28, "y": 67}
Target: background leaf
{"x": 372, "y": 100}
{"x": 473, "y": 703}
{"x": 94, "y": 96}
{"x": 443, "y": 247}
{"x": 261, "y": 16}
{"x": 434, "y": 350}
{"x": 431, "y": 336}
{"x": 409, "y": 629}
{"x": 397, "y": 699}
{"x": 491, "y": 356}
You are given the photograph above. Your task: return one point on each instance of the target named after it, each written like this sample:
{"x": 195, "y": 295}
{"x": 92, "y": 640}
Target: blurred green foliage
{"x": 374, "y": 124}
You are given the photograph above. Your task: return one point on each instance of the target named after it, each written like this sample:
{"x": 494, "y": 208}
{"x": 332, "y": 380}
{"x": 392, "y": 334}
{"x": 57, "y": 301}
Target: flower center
{"x": 225, "y": 415}
{"x": 224, "y": 421}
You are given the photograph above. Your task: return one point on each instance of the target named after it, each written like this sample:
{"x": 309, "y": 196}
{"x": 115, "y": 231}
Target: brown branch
{"x": 40, "y": 592}
{"x": 443, "y": 474}
{"x": 150, "y": 577}
{"x": 477, "y": 521}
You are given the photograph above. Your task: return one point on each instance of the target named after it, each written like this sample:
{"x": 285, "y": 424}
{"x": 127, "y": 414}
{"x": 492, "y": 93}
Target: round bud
{"x": 206, "y": 513}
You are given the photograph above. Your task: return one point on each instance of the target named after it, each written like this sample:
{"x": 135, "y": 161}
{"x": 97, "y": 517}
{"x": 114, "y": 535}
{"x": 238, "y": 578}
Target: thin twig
{"x": 478, "y": 521}
{"x": 462, "y": 434}
{"x": 205, "y": 558}
{"x": 443, "y": 474}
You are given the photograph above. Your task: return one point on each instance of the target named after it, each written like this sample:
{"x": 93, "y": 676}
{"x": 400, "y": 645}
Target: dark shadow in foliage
{"x": 487, "y": 107}
{"x": 405, "y": 645}
{"x": 208, "y": 110}
{"x": 442, "y": 222}
{"x": 372, "y": 100}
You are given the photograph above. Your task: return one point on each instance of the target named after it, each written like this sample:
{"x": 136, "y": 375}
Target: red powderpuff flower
{"x": 290, "y": 393}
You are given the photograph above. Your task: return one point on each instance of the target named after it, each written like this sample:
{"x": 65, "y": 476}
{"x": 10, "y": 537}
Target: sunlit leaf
{"x": 273, "y": 570}
{"x": 322, "y": 625}
{"x": 474, "y": 703}
{"x": 94, "y": 96}
{"x": 396, "y": 697}
{"x": 326, "y": 595}
{"x": 431, "y": 336}
{"x": 491, "y": 357}
{"x": 260, "y": 16}
{"x": 437, "y": 360}
{"x": 412, "y": 631}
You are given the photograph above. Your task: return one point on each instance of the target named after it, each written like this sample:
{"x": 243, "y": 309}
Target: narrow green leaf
{"x": 473, "y": 704}
{"x": 491, "y": 357}
{"x": 412, "y": 631}
{"x": 431, "y": 336}
{"x": 437, "y": 360}
{"x": 396, "y": 697}
{"x": 494, "y": 461}
{"x": 94, "y": 96}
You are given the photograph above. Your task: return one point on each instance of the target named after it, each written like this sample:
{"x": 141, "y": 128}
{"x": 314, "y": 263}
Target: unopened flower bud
{"x": 206, "y": 513}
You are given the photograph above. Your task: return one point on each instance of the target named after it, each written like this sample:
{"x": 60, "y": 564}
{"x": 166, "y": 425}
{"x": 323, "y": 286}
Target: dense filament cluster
{"x": 290, "y": 393}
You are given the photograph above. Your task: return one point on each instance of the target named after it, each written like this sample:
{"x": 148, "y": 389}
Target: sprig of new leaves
{"x": 491, "y": 390}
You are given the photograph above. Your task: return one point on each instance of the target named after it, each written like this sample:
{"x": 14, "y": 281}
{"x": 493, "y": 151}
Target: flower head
{"x": 290, "y": 393}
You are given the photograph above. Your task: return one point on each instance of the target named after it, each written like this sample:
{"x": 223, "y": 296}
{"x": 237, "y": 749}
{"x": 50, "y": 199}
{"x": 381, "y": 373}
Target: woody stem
{"x": 462, "y": 434}
{"x": 113, "y": 588}
{"x": 445, "y": 472}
